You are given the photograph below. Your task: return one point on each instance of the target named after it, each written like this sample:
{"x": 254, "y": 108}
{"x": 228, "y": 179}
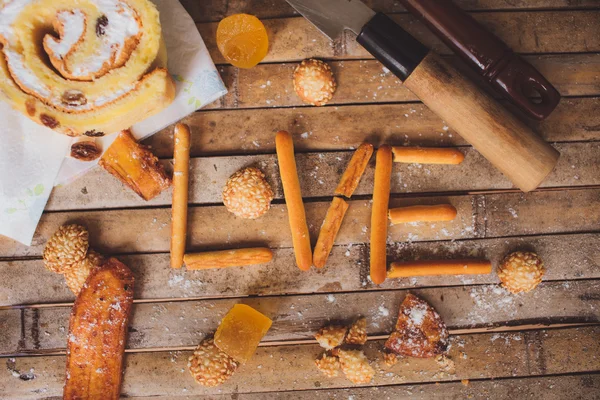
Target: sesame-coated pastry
{"x": 314, "y": 82}
{"x": 247, "y": 194}
{"x": 357, "y": 334}
{"x": 67, "y": 246}
{"x": 210, "y": 366}
{"x": 330, "y": 337}
{"x": 355, "y": 366}
{"x": 79, "y": 272}
{"x": 521, "y": 271}
{"x": 328, "y": 364}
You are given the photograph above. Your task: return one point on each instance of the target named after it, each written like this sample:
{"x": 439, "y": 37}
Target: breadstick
{"x": 379, "y": 221}
{"x": 439, "y": 267}
{"x": 440, "y": 212}
{"x": 228, "y": 258}
{"x": 427, "y": 155}
{"x": 355, "y": 170}
{"x": 293, "y": 199}
{"x": 329, "y": 230}
{"x": 180, "y": 194}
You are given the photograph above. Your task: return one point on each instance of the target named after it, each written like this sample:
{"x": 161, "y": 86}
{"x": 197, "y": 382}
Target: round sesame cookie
{"x": 210, "y": 366}
{"x": 247, "y": 194}
{"x": 521, "y": 271}
{"x": 66, "y": 247}
{"x": 314, "y": 82}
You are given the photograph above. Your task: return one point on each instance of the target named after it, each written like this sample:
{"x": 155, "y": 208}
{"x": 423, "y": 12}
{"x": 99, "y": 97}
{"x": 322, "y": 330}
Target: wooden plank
{"x": 341, "y": 128}
{"x": 492, "y": 215}
{"x": 524, "y": 32}
{"x": 186, "y": 323}
{"x": 288, "y": 368}
{"x": 320, "y": 173}
{"x": 208, "y": 11}
{"x": 567, "y": 257}
{"x": 366, "y": 81}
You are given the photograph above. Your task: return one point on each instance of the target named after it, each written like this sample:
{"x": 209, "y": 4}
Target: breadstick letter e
{"x": 180, "y": 194}
{"x": 427, "y": 155}
{"x": 293, "y": 199}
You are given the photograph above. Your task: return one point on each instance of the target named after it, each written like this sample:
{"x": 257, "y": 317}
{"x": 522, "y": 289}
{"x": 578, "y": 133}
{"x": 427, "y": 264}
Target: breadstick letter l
{"x": 180, "y": 194}
{"x": 427, "y": 155}
{"x": 379, "y": 212}
{"x": 439, "y": 267}
{"x": 228, "y": 258}
{"x": 293, "y": 199}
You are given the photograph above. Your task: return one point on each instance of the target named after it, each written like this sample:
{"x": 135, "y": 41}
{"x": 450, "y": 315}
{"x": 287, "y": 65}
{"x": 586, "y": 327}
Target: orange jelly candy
{"x": 241, "y": 331}
{"x": 243, "y": 40}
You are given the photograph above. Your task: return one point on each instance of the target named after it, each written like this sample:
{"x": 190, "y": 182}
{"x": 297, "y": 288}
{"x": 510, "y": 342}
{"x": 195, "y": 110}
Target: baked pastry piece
{"x": 66, "y": 247}
{"x": 420, "y": 331}
{"x": 314, "y": 82}
{"x": 210, "y": 366}
{"x": 135, "y": 166}
{"x": 330, "y": 337}
{"x": 79, "y": 272}
{"x": 97, "y": 332}
{"x": 108, "y": 63}
{"x": 247, "y": 194}
{"x": 521, "y": 271}
{"x": 355, "y": 365}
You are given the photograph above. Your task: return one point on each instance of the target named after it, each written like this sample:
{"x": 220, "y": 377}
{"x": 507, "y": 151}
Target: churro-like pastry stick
{"x": 354, "y": 170}
{"x": 427, "y": 155}
{"x": 439, "y": 267}
{"x": 293, "y": 199}
{"x": 228, "y": 258}
{"x": 379, "y": 213}
{"x": 329, "y": 231}
{"x": 181, "y": 174}
{"x": 440, "y": 212}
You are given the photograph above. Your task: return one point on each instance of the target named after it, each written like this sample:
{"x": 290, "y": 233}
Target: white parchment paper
{"x": 32, "y": 157}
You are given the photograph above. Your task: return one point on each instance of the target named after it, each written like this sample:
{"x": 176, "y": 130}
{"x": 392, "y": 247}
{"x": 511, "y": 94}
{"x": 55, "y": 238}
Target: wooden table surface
{"x": 543, "y": 344}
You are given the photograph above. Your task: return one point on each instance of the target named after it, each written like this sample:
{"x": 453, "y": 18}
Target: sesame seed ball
{"x": 314, "y": 82}
{"x": 67, "y": 246}
{"x": 210, "y": 366}
{"x": 247, "y": 194}
{"x": 521, "y": 271}
{"x": 79, "y": 272}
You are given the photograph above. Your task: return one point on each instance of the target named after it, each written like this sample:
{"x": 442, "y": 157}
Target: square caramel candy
{"x": 241, "y": 331}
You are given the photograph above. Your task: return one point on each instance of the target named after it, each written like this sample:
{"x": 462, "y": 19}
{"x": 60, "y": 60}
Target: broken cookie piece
{"x": 420, "y": 331}
{"x": 355, "y": 365}
{"x": 330, "y": 337}
{"x": 329, "y": 365}
{"x": 357, "y": 334}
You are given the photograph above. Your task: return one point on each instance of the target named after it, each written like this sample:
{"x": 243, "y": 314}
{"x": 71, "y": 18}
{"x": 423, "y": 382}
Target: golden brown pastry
{"x": 329, "y": 365}
{"x": 79, "y": 272}
{"x": 521, "y": 271}
{"x": 135, "y": 166}
{"x": 357, "y": 334}
{"x": 67, "y": 246}
{"x": 247, "y": 194}
{"x": 420, "y": 331}
{"x": 330, "y": 337}
{"x": 210, "y": 366}
{"x": 314, "y": 82}
{"x": 355, "y": 366}
{"x": 97, "y": 333}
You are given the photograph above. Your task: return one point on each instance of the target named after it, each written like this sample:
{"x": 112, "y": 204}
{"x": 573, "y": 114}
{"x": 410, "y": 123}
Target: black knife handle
{"x": 392, "y": 46}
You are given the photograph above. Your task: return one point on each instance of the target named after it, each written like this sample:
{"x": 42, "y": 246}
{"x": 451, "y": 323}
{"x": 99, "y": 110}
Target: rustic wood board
{"x": 176, "y": 308}
{"x": 479, "y": 356}
{"x": 567, "y": 257}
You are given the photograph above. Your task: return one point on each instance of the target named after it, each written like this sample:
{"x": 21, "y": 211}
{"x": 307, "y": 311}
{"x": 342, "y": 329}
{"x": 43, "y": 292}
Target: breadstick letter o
{"x": 293, "y": 199}
{"x": 180, "y": 194}
{"x": 379, "y": 212}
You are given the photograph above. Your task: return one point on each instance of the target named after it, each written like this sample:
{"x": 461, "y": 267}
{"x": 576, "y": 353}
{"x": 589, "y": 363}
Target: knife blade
{"x": 498, "y": 135}
{"x": 333, "y": 17}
